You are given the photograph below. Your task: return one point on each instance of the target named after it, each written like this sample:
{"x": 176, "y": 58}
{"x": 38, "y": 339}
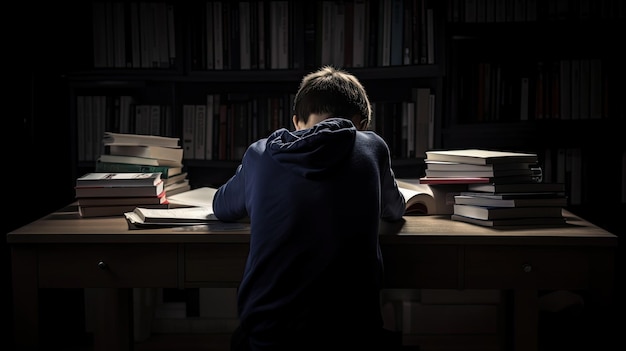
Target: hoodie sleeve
{"x": 393, "y": 203}
{"x": 229, "y": 203}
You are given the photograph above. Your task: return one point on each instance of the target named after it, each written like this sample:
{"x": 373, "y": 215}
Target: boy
{"x": 315, "y": 197}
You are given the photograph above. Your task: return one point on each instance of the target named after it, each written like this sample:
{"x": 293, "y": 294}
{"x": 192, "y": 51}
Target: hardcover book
{"x": 119, "y": 191}
{"x": 175, "y": 179}
{"x": 139, "y": 139}
{"x": 178, "y": 187}
{"x": 112, "y": 201}
{"x": 519, "y": 202}
{"x": 481, "y": 212}
{"x": 493, "y": 173}
{"x": 454, "y": 180}
{"x": 112, "y": 210}
{"x": 145, "y": 161}
{"x": 118, "y": 179}
{"x": 155, "y": 152}
{"x": 511, "y": 222}
{"x": 457, "y": 166}
{"x": 166, "y": 171}
{"x": 531, "y": 187}
{"x": 481, "y": 157}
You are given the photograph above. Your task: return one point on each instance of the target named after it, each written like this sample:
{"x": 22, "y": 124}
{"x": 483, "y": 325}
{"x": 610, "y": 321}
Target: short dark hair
{"x": 332, "y": 91}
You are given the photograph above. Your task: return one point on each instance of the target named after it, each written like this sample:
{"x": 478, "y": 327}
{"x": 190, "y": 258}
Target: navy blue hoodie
{"x": 315, "y": 198}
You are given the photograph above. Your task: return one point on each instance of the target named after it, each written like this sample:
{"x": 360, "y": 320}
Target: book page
{"x": 196, "y": 197}
{"x": 419, "y": 197}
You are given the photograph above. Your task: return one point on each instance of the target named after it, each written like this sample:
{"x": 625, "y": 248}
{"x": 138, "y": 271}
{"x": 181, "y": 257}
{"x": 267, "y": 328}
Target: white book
{"x": 483, "y": 212}
{"x": 110, "y": 138}
{"x": 147, "y": 151}
{"x": 181, "y": 215}
{"x": 118, "y": 179}
{"x": 138, "y": 160}
{"x": 481, "y": 156}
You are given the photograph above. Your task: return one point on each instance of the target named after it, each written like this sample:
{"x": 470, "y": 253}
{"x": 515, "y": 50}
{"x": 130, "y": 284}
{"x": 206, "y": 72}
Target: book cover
{"x": 146, "y": 151}
{"x": 139, "y": 139}
{"x": 138, "y": 160}
{"x": 179, "y": 184}
{"x": 519, "y": 202}
{"x": 454, "y": 180}
{"x": 522, "y": 195}
{"x": 458, "y": 166}
{"x": 480, "y": 212}
{"x": 113, "y": 201}
{"x": 118, "y": 179}
{"x": 480, "y": 156}
{"x": 175, "y": 179}
{"x": 119, "y": 191}
{"x": 166, "y": 171}
{"x": 431, "y": 173}
{"x": 181, "y": 188}
{"x": 113, "y": 210}
{"x": 511, "y": 222}
{"x": 517, "y": 187}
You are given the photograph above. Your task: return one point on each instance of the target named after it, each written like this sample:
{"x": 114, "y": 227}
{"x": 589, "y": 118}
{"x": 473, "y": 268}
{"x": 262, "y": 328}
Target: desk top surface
{"x": 66, "y": 226}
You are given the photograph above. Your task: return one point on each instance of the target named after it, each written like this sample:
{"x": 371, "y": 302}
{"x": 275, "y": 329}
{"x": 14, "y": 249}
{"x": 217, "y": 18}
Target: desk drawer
{"x": 510, "y": 267}
{"x": 417, "y": 266}
{"x": 215, "y": 264}
{"x": 123, "y": 265}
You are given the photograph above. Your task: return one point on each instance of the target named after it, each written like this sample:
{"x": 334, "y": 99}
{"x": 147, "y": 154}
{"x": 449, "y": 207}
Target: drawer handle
{"x": 102, "y": 265}
{"x": 527, "y": 268}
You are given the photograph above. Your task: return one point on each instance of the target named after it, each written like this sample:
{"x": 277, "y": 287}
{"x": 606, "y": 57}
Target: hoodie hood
{"x": 315, "y": 152}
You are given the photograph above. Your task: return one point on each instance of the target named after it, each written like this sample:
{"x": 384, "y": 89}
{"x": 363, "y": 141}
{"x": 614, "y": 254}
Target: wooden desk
{"x": 65, "y": 251}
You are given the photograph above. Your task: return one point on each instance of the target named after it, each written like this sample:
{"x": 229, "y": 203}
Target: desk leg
{"x": 113, "y": 328}
{"x": 526, "y": 320}
{"x": 25, "y": 298}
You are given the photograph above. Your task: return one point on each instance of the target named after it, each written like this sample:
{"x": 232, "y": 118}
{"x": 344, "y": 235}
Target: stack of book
{"x": 503, "y": 188}
{"x": 138, "y": 153}
{"x": 478, "y": 166}
{"x": 112, "y": 194}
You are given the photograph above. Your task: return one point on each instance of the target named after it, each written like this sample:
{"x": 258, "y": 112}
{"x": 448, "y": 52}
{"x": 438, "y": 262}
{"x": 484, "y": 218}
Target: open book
{"x": 427, "y": 199}
{"x": 171, "y": 216}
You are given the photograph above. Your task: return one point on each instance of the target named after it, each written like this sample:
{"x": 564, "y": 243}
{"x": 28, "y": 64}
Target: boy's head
{"x": 330, "y": 92}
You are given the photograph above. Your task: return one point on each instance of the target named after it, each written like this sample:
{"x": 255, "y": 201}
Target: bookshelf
{"x": 247, "y": 83}
{"x": 544, "y": 77}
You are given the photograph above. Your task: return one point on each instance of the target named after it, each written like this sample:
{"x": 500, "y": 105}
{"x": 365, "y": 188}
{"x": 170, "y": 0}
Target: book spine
{"x": 131, "y": 168}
